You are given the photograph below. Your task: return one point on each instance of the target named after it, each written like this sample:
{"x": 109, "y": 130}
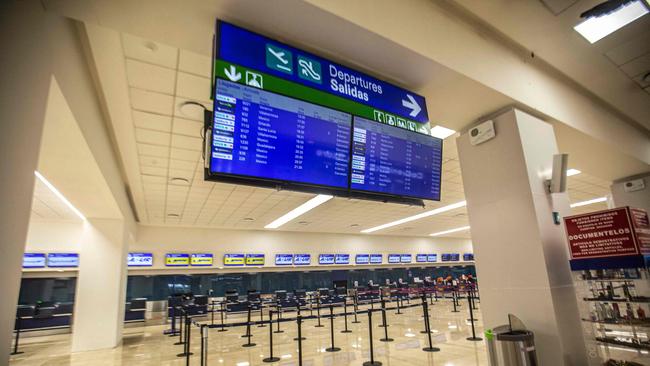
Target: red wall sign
{"x": 616, "y": 232}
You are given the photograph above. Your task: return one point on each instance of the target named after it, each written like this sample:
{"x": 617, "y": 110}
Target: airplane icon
{"x": 279, "y": 59}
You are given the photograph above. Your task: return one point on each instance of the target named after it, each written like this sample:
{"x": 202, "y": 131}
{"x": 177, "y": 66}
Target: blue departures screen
{"x": 265, "y": 135}
{"x": 390, "y": 160}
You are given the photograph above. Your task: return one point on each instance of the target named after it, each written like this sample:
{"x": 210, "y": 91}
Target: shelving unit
{"x": 614, "y": 307}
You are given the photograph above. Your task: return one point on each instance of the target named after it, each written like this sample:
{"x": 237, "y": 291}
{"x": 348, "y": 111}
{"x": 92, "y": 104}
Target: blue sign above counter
{"x": 302, "y": 259}
{"x": 34, "y": 260}
{"x": 283, "y": 259}
{"x": 406, "y": 258}
{"x": 139, "y": 260}
{"x": 249, "y": 49}
{"x": 376, "y": 258}
{"x": 63, "y": 260}
{"x": 394, "y": 258}
{"x": 362, "y": 259}
{"x": 342, "y": 259}
{"x": 326, "y": 259}
{"x": 432, "y": 257}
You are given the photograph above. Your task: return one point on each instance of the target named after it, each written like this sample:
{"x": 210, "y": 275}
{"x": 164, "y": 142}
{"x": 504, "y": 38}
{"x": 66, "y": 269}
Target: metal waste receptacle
{"x": 508, "y": 346}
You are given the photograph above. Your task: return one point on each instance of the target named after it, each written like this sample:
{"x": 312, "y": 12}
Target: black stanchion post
{"x": 319, "y": 325}
{"x": 223, "y": 328}
{"x": 398, "y": 297}
{"x": 311, "y": 304}
{"x": 172, "y": 332}
{"x": 186, "y": 332}
{"x": 302, "y": 338}
{"x": 204, "y": 344}
{"x": 271, "y": 358}
{"x": 424, "y": 312}
{"x": 278, "y": 331}
{"x": 345, "y": 315}
{"x": 453, "y": 299}
{"x": 212, "y": 313}
{"x": 372, "y": 361}
{"x": 473, "y": 338}
{"x": 248, "y": 330}
{"x": 332, "y": 348}
{"x": 299, "y": 320}
{"x": 18, "y": 327}
{"x": 181, "y": 325}
{"x": 261, "y": 325}
{"x": 385, "y": 324}
{"x": 356, "y": 308}
{"x": 427, "y": 326}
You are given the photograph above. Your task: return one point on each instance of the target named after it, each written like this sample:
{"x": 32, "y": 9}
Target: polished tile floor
{"x": 147, "y": 346}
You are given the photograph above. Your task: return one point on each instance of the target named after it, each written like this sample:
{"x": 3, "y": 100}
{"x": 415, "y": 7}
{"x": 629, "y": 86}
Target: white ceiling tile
{"x": 193, "y": 87}
{"x": 183, "y": 154}
{"x": 195, "y": 63}
{"x": 150, "y": 77}
{"x": 186, "y": 142}
{"x": 149, "y": 101}
{"x": 187, "y": 127}
{"x": 183, "y": 164}
{"x": 152, "y": 121}
{"x": 149, "y": 51}
{"x": 149, "y": 170}
{"x": 155, "y": 162}
{"x": 152, "y": 137}
{"x": 153, "y": 150}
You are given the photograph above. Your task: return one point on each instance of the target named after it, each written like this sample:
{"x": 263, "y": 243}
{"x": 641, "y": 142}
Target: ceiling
{"x": 47, "y": 206}
{"x": 145, "y": 81}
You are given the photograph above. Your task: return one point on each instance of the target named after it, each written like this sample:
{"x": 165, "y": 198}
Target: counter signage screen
{"x": 446, "y": 257}
{"x": 254, "y": 259}
{"x": 283, "y": 259}
{"x": 139, "y": 260}
{"x": 233, "y": 259}
{"x": 405, "y": 258}
{"x": 177, "y": 259}
{"x": 376, "y": 258}
{"x": 432, "y": 258}
{"x": 326, "y": 259}
{"x": 281, "y": 61}
{"x": 261, "y": 135}
{"x": 342, "y": 259}
{"x": 302, "y": 259}
{"x": 62, "y": 260}
{"x": 421, "y": 258}
{"x": 362, "y": 259}
{"x": 389, "y": 160}
{"x": 454, "y": 257}
{"x": 202, "y": 260}
{"x": 468, "y": 257}
{"x": 394, "y": 258}
{"x": 34, "y": 260}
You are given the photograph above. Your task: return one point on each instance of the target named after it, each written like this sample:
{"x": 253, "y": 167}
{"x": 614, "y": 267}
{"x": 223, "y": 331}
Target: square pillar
{"x": 521, "y": 256}
{"x": 101, "y": 286}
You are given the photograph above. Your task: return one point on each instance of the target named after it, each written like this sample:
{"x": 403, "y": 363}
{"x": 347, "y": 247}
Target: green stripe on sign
{"x": 246, "y": 76}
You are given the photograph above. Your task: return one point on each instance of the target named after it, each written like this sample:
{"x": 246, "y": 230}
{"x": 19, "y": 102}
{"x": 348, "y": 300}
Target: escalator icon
{"x": 309, "y": 69}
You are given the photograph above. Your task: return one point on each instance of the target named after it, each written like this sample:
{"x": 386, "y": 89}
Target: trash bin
{"x": 508, "y": 346}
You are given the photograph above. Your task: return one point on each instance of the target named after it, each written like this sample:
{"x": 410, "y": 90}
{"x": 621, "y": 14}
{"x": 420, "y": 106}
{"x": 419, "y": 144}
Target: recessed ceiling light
{"x": 571, "y": 172}
{"x": 151, "y": 46}
{"x": 589, "y": 202}
{"x": 450, "y": 231}
{"x": 441, "y": 132}
{"x": 179, "y": 180}
{"x": 59, "y": 195}
{"x": 303, "y": 222}
{"x": 309, "y": 205}
{"x": 173, "y": 215}
{"x": 192, "y": 109}
{"x": 249, "y": 219}
{"x": 435, "y": 211}
{"x": 602, "y": 21}
{"x": 354, "y": 225}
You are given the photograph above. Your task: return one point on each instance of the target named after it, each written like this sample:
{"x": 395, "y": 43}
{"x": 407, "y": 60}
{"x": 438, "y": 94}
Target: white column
{"x": 634, "y": 198}
{"x": 101, "y": 286}
{"x": 25, "y": 75}
{"x": 521, "y": 255}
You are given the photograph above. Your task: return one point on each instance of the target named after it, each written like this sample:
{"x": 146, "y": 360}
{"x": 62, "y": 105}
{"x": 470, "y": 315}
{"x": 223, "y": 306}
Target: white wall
{"x": 638, "y": 199}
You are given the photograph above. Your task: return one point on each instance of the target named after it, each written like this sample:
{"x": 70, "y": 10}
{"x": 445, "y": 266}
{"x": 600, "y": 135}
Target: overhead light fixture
{"x": 450, "y": 231}
{"x": 422, "y": 215}
{"x": 59, "y": 195}
{"x": 309, "y": 205}
{"x": 572, "y": 172}
{"x": 610, "y": 16}
{"x": 589, "y": 202}
{"x": 441, "y": 132}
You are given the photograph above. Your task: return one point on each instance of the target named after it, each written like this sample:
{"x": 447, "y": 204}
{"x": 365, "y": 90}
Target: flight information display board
{"x": 432, "y": 257}
{"x": 258, "y": 134}
{"x": 376, "y": 258}
{"x": 63, "y": 260}
{"x": 393, "y": 161}
{"x": 201, "y": 259}
{"x": 421, "y": 258}
{"x": 139, "y": 260}
{"x": 394, "y": 258}
{"x": 34, "y": 260}
{"x": 362, "y": 259}
{"x": 342, "y": 259}
{"x": 326, "y": 259}
{"x": 283, "y": 259}
{"x": 468, "y": 256}
{"x": 302, "y": 259}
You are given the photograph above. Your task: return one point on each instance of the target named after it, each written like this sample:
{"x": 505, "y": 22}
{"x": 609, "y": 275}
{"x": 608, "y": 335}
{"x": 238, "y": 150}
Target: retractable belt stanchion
{"x": 356, "y": 307}
{"x": 223, "y": 328}
{"x": 271, "y": 358}
{"x": 204, "y": 344}
{"x": 427, "y": 326}
{"x": 299, "y": 321}
{"x": 319, "y": 325}
{"x": 384, "y": 323}
{"x": 345, "y": 315}
{"x": 471, "y": 320}
{"x": 212, "y": 313}
{"x": 278, "y": 331}
{"x": 187, "y": 337}
{"x": 311, "y": 304}
{"x": 18, "y": 326}
{"x": 262, "y": 325}
{"x": 372, "y": 361}
{"x": 301, "y": 337}
{"x": 248, "y": 330}
{"x": 398, "y": 298}
{"x": 172, "y": 332}
{"x": 332, "y": 348}
{"x": 453, "y": 299}
{"x": 181, "y": 325}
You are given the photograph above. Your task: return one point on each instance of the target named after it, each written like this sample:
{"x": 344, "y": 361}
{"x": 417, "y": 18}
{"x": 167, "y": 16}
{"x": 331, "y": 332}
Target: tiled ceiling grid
{"x": 169, "y": 143}
{"x": 47, "y": 206}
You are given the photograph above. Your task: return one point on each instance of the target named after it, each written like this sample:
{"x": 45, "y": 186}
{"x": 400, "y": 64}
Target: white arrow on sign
{"x": 232, "y": 74}
{"x": 412, "y": 105}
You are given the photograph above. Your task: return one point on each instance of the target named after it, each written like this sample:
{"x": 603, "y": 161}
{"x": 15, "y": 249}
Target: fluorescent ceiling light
{"x": 417, "y": 217}
{"x": 589, "y": 202}
{"x": 441, "y": 132}
{"x": 450, "y": 231}
{"x": 597, "y": 28}
{"x": 312, "y": 203}
{"x": 59, "y": 195}
{"x": 571, "y": 172}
